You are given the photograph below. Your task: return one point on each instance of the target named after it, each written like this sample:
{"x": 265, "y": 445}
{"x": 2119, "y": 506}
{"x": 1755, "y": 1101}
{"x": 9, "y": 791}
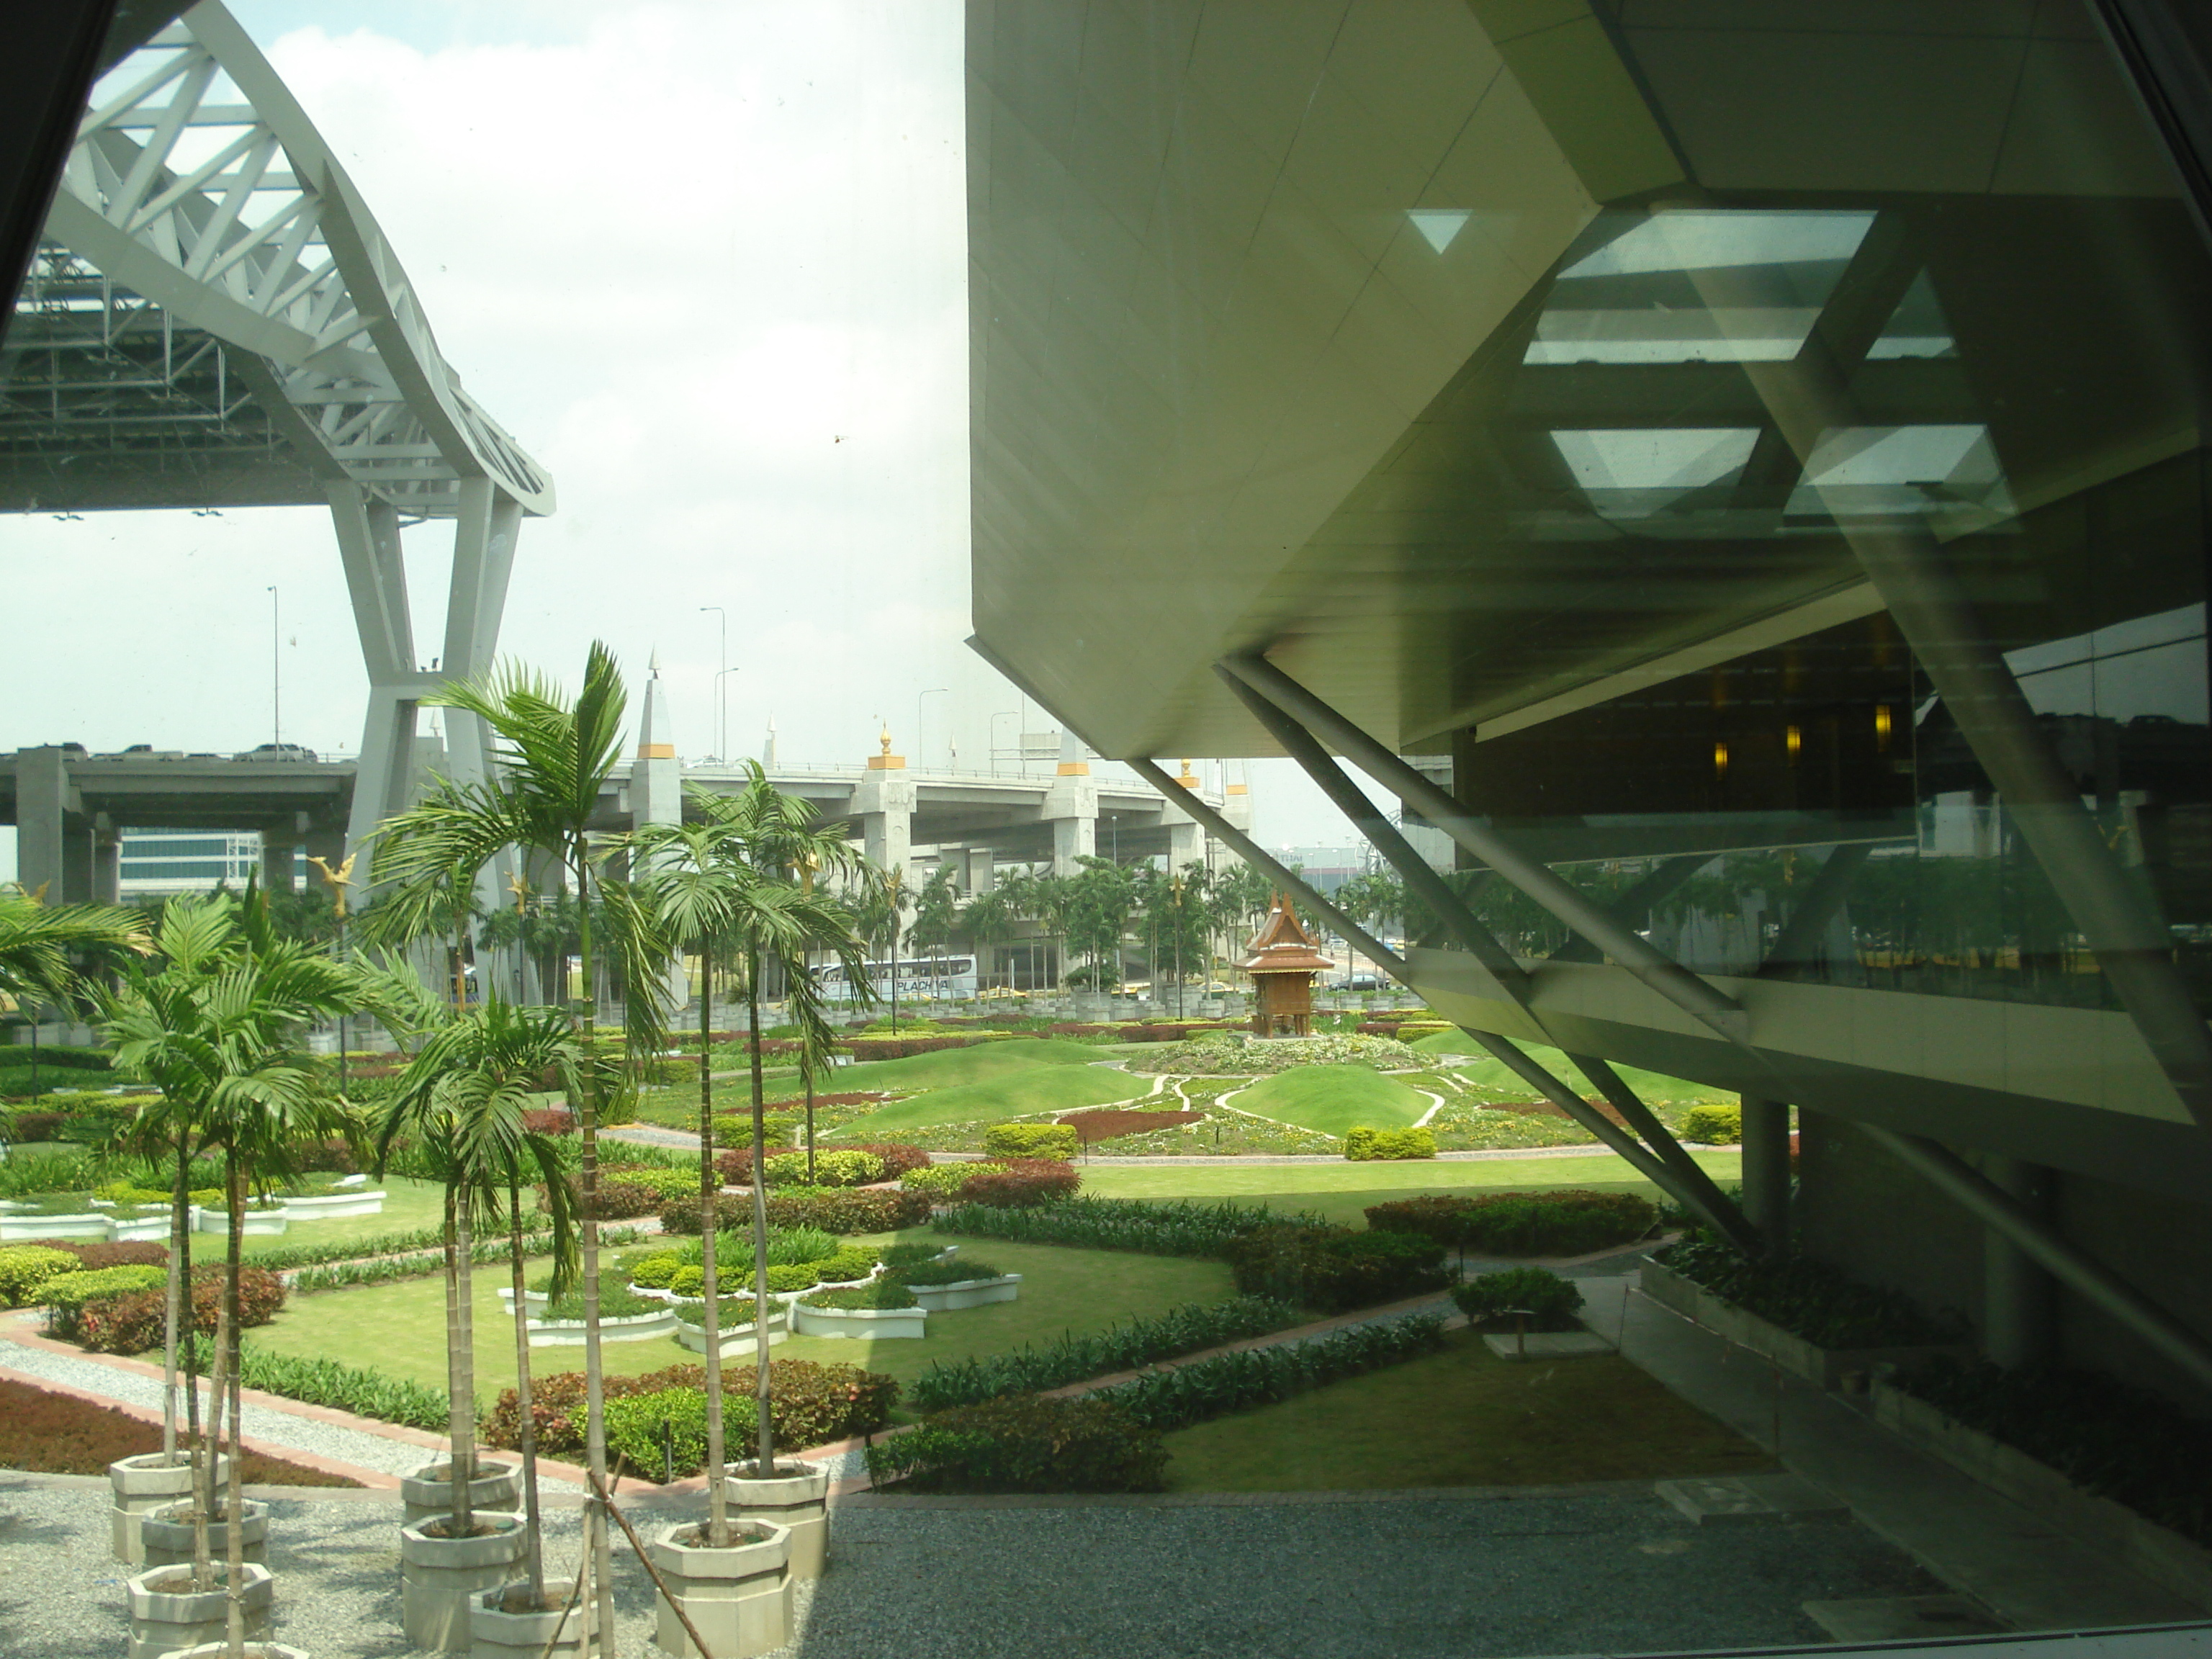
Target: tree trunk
{"x": 595, "y": 1392}
{"x": 235, "y": 1500}
{"x": 460, "y": 1360}
{"x": 180, "y": 1230}
{"x": 766, "y": 1467}
{"x": 209, "y": 1452}
{"x": 533, "y": 1543}
{"x": 710, "y": 1324}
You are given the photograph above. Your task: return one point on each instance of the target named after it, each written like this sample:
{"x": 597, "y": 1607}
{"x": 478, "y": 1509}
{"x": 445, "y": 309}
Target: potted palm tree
{"x": 552, "y": 754}
{"x": 222, "y": 1027}
{"x": 740, "y": 884}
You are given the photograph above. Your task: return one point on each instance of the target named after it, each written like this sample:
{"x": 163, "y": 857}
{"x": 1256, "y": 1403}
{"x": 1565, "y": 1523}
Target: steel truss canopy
{"x": 215, "y": 319}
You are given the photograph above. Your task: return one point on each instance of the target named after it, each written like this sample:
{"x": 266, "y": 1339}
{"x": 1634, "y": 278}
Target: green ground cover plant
{"x": 1548, "y": 1302}
{"x": 1490, "y": 1075}
{"x": 1024, "y": 1443}
{"x": 1333, "y": 1100}
{"x": 1482, "y": 1421}
{"x": 1806, "y": 1297}
{"x": 2135, "y": 1448}
{"x": 954, "y": 1068}
{"x": 944, "y": 1270}
{"x": 354, "y": 1389}
{"x": 1237, "y": 1381}
{"x": 881, "y": 1295}
{"x": 1026, "y": 1091}
{"x": 1473, "y": 1129}
{"x": 1072, "y": 1359}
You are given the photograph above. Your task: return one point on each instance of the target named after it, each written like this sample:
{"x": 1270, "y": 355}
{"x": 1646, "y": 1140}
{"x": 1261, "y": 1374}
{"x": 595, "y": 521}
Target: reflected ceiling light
{"x": 1720, "y": 760}
{"x": 1881, "y": 726}
{"x": 1439, "y": 227}
{"x": 1701, "y": 239}
{"x": 1793, "y": 740}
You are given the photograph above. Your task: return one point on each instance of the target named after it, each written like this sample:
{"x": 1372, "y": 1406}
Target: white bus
{"x": 920, "y": 979}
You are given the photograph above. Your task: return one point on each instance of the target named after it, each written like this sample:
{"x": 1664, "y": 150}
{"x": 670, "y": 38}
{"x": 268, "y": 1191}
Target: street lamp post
{"x": 721, "y": 695}
{"x": 1004, "y": 713}
{"x": 276, "y": 673}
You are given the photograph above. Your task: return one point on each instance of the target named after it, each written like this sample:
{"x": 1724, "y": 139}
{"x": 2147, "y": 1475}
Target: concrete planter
{"x": 732, "y": 1339}
{"x": 797, "y": 1499}
{"x": 257, "y": 1224}
{"x": 1824, "y": 1367}
{"x": 91, "y": 1226}
{"x": 427, "y": 1491}
{"x": 442, "y": 1578}
{"x": 142, "y": 1485}
{"x": 167, "y": 1535}
{"x": 2157, "y": 1552}
{"x": 968, "y": 1293}
{"x": 871, "y": 1324}
{"x": 739, "y": 1598}
{"x": 253, "y": 1650}
{"x": 334, "y": 1204}
{"x": 530, "y": 1298}
{"x": 164, "y": 1621}
{"x": 137, "y": 1229}
{"x": 496, "y": 1634}
{"x": 630, "y": 1328}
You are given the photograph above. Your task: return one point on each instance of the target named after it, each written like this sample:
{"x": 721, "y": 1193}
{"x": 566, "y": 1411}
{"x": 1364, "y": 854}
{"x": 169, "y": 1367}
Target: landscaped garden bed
{"x": 1806, "y": 1317}
{"x": 50, "y": 1433}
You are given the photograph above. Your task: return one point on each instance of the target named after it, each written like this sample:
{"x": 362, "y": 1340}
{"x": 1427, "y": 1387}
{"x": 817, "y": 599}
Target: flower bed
{"x": 1231, "y": 1054}
{"x": 54, "y": 1433}
{"x": 1111, "y": 1122}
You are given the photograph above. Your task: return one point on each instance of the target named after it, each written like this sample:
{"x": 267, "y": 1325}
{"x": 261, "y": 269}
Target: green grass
{"x": 400, "y": 1329}
{"x": 1490, "y": 1075}
{"x": 1340, "y": 1191}
{"x": 1334, "y": 1099}
{"x": 1032, "y": 1090}
{"x": 1462, "y": 1417}
{"x": 945, "y": 1069}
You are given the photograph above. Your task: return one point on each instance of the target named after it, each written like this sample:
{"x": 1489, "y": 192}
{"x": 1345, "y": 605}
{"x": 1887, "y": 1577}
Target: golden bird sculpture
{"x": 337, "y": 880}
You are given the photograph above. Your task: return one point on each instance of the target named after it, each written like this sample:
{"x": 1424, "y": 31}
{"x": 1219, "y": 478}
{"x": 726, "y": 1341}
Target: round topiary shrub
{"x": 1549, "y": 1301}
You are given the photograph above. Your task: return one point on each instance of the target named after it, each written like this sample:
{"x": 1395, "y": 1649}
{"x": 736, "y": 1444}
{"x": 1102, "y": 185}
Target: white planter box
{"x": 732, "y": 1339}
{"x": 870, "y": 1324}
{"x": 137, "y": 1230}
{"x": 630, "y": 1328}
{"x": 92, "y": 1225}
{"x": 259, "y": 1223}
{"x": 530, "y": 1298}
{"x": 968, "y": 1293}
{"x": 739, "y": 1598}
{"x": 336, "y": 1204}
{"x": 1824, "y": 1368}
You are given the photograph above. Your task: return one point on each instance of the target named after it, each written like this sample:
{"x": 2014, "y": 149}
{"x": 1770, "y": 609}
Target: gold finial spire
{"x": 885, "y": 739}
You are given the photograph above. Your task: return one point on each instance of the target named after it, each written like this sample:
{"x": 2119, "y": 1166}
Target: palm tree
{"x": 936, "y": 910}
{"x": 462, "y": 1098}
{"x": 552, "y": 758}
{"x": 220, "y": 1028}
{"x": 741, "y": 883}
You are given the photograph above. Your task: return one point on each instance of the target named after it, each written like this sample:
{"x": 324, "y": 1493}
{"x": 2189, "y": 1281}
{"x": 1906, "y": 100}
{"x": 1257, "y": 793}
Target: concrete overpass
{"x": 70, "y": 808}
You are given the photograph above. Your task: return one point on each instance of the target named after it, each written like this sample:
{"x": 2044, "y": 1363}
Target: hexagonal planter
{"x": 530, "y": 1299}
{"x": 497, "y": 1633}
{"x": 739, "y": 1598}
{"x": 137, "y": 1229}
{"x": 426, "y": 1492}
{"x": 874, "y": 1324}
{"x": 968, "y": 1294}
{"x": 334, "y": 1204}
{"x": 142, "y": 1485}
{"x": 168, "y": 1620}
{"x": 258, "y": 1222}
{"x": 167, "y": 1534}
{"x": 441, "y": 1579}
{"x": 732, "y": 1339}
{"x": 253, "y": 1650}
{"x": 630, "y": 1328}
{"x": 91, "y": 1224}
{"x": 796, "y": 1498}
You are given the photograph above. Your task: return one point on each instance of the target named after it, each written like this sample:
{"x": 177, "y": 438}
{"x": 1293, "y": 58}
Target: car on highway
{"x": 276, "y": 751}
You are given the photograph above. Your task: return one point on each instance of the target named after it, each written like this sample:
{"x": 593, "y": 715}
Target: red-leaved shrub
{"x": 736, "y": 1166}
{"x": 810, "y": 1404}
{"x": 549, "y": 1121}
{"x": 1021, "y": 1184}
{"x": 59, "y": 1434}
{"x": 132, "y": 1323}
{"x": 92, "y": 1257}
{"x": 898, "y": 1157}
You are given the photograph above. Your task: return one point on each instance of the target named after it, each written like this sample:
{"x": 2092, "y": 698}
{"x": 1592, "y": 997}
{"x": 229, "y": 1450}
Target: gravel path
{"x": 1544, "y": 1571}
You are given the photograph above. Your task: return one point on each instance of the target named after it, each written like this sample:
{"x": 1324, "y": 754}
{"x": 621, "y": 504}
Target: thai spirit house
{"x": 1283, "y": 961}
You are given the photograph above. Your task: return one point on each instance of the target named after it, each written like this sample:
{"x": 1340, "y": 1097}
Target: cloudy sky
{"x": 705, "y": 262}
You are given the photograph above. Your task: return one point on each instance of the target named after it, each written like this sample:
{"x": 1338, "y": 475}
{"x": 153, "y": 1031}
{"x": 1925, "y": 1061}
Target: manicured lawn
{"x": 408, "y": 1206}
{"x": 945, "y": 1069}
{"x": 1486, "y": 1073}
{"x": 1334, "y": 1099}
{"x": 400, "y": 1329}
{"x": 1030, "y": 1090}
{"x": 1462, "y": 1417}
{"x": 1340, "y": 1191}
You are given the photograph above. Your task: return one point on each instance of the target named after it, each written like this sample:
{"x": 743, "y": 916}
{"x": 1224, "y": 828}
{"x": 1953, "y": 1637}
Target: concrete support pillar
{"x": 53, "y": 841}
{"x": 1766, "y": 1168}
{"x": 981, "y": 874}
{"x": 1073, "y": 839}
{"x": 1185, "y": 843}
{"x": 279, "y": 871}
{"x": 107, "y": 864}
{"x": 2019, "y": 1311}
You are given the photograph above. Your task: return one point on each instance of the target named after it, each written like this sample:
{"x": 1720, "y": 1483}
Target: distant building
{"x": 157, "y": 863}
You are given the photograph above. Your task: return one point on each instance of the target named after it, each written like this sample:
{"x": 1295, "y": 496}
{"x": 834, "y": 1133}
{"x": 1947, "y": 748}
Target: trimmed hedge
{"x": 1806, "y": 1298}
{"x": 837, "y": 1169}
{"x": 1023, "y": 1185}
{"x": 1334, "y": 1269}
{"x": 1027, "y": 1141}
{"x": 1565, "y": 1221}
{"x": 25, "y": 1267}
{"x": 1365, "y": 1145}
{"x": 65, "y": 1294}
{"x": 1205, "y": 1389}
{"x": 1124, "y": 1347}
{"x": 1025, "y": 1443}
{"x": 834, "y": 1210}
{"x": 897, "y": 1157}
{"x": 1550, "y": 1301}
{"x": 938, "y": 1179}
{"x": 1181, "y": 1228}
{"x": 133, "y": 1322}
{"x": 810, "y": 1404}
{"x": 1713, "y": 1125}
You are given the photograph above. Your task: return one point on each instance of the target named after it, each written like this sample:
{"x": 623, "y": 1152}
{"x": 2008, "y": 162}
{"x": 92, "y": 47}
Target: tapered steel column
{"x": 2019, "y": 1311}
{"x": 1766, "y": 1169}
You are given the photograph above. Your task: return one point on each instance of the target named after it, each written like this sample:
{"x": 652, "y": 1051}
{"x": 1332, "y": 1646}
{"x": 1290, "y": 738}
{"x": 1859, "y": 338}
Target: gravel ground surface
{"x": 1554, "y": 1572}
